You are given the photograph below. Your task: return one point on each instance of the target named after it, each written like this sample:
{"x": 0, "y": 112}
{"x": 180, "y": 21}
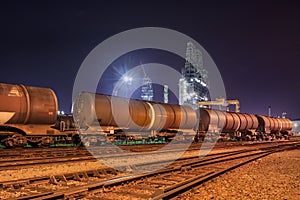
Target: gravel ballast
{"x": 276, "y": 176}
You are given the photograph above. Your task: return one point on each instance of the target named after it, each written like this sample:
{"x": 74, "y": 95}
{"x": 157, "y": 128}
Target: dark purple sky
{"x": 256, "y": 45}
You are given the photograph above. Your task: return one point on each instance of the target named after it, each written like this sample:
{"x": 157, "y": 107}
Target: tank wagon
{"x": 28, "y": 115}
{"x": 128, "y": 118}
{"x": 229, "y": 124}
{"x": 122, "y": 117}
{"x": 242, "y": 126}
{"x": 274, "y": 127}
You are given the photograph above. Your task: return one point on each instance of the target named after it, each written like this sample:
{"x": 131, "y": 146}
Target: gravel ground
{"x": 274, "y": 177}
{"x": 63, "y": 168}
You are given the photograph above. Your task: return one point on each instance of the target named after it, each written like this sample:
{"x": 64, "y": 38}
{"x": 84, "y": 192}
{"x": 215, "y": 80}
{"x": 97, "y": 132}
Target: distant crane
{"x": 221, "y": 102}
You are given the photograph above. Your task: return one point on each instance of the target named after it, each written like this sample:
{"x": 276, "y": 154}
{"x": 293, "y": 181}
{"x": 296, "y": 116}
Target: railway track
{"x": 88, "y": 173}
{"x": 162, "y": 184}
{"x": 47, "y": 156}
{"x": 43, "y": 152}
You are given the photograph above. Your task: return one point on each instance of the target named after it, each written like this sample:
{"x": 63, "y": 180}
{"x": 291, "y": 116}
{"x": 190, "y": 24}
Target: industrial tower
{"x": 193, "y": 86}
{"x": 147, "y": 90}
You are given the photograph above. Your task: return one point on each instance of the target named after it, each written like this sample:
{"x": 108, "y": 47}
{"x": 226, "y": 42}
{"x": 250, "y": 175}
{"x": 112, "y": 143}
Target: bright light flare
{"x": 127, "y": 78}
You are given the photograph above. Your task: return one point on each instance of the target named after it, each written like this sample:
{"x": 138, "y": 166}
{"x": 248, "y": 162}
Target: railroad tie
{"x": 53, "y": 180}
{"x": 96, "y": 174}
{"x": 186, "y": 168}
{"x": 63, "y": 178}
{"x": 77, "y": 177}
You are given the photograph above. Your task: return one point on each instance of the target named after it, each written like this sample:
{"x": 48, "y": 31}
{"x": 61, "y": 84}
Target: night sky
{"x": 256, "y": 45}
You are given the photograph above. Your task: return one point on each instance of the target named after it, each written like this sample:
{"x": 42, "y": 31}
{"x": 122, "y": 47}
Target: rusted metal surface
{"x": 247, "y": 122}
{"x": 229, "y": 123}
{"x": 237, "y": 122}
{"x": 270, "y": 124}
{"x": 254, "y": 121}
{"x": 289, "y": 124}
{"x": 170, "y": 116}
{"x": 179, "y": 117}
{"x": 31, "y": 105}
{"x": 211, "y": 120}
{"x": 250, "y": 122}
{"x": 277, "y": 125}
{"x": 283, "y": 124}
{"x": 221, "y": 119}
{"x": 206, "y": 116}
{"x": 140, "y": 114}
{"x": 243, "y": 122}
{"x": 131, "y": 114}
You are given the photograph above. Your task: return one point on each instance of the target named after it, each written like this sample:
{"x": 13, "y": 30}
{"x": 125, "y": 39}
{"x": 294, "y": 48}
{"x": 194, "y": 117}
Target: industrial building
{"x": 193, "y": 86}
{"x": 147, "y": 90}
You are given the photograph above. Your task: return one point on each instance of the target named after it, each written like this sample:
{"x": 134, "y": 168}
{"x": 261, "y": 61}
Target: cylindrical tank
{"x": 270, "y": 124}
{"x": 283, "y": 124}
{"x": 211, "y": 120}
{"x": 184, "y": 116}
{"x": 236, "y": 122}
{"x": 30, "y": 105}
{"x": 91, "y": 109}
{"x": 277, "y": 126}
{"x": 248, "y": 122}
{"x": 290, "y": 124}
{"x": 229, "y": 122}
{"x": 287, "y": 124}
{"x": 254, "y": 121}
{"x": 243, "y": 122}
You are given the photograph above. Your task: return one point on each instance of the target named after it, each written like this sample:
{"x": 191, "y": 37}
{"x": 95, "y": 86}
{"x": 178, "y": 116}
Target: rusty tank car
{"x": 133, "y": 116}
{"x": 28, "y": 116}
{"x": 277, "y": 127}
{"x": 242, "y": 126}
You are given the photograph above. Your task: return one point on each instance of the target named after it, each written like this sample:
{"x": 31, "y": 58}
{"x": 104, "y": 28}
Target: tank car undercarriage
{"x": 10, "y": 139}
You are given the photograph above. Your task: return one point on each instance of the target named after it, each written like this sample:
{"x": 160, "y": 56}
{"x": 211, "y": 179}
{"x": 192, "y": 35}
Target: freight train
{"x": 168, "y": 120}
{"x": 28, "y": 116}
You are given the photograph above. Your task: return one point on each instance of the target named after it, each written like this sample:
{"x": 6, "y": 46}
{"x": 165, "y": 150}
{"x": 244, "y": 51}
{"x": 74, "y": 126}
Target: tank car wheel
{"x": 46, "y": 142}
{"x": 9, "y": 143}
{"x": 286, "y": 137}
{"x": 17, "y": 140}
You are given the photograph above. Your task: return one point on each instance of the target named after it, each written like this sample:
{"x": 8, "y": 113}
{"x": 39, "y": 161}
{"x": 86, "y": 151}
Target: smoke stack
{"x": 269, "y": 111}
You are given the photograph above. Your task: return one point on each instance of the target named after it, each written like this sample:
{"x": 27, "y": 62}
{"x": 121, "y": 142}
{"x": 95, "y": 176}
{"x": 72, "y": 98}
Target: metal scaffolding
{"x": 193, "y": 86}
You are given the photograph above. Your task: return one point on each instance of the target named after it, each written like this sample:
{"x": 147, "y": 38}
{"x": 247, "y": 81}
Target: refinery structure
{"x": 147, "y": 90}
{"x": 193, "y": 86}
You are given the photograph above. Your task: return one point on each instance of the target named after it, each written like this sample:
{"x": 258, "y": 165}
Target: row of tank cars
{"x": 28, "y": 117}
